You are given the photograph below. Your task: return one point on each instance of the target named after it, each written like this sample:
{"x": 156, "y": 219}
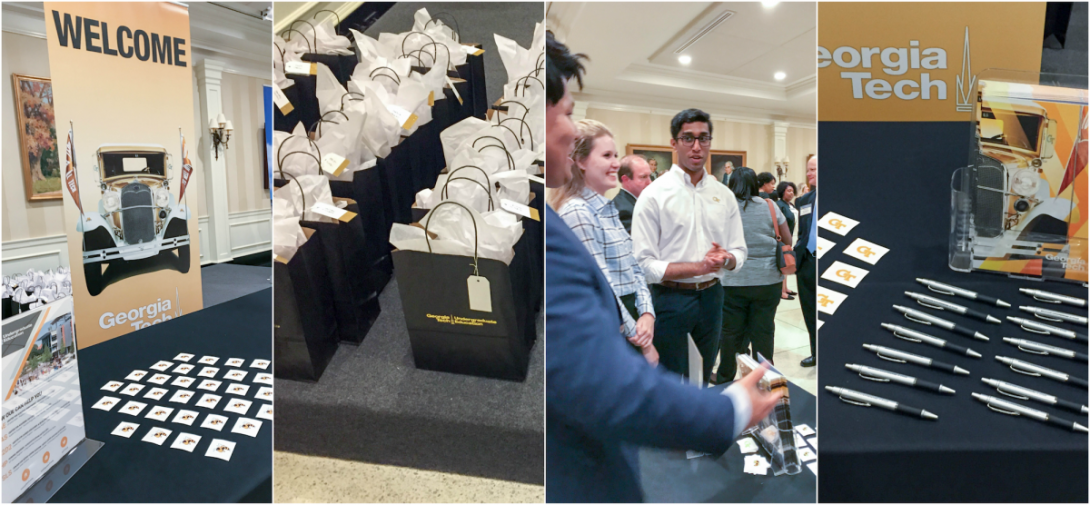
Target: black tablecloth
{"x": 129, "y": 470}
{"x": 671, "y": 478}
{"x": 894, "y": 179}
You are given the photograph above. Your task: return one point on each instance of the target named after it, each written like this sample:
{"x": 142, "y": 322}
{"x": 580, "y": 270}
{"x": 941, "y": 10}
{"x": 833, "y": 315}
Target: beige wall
{"x": 23, "y": 219}
{"x": 756, "y": 139}
{"x": 242, "y": 104}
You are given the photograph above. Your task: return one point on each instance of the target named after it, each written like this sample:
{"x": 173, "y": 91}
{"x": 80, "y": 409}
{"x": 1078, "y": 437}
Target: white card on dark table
{"x": 824, "y": 246}
{"x": 208, "y": 360}
{"x": 214, "y": 422}
{"x": 828, "y": 300}
{"x": 220, "y": 449}
{"x": 812, "y": 441}
{"x": 133, "y": 408}
{"x": 234, "y": 362}
{"x": 264, "y": 378}
{"x": 186, "y": 417}
{"x": 159, "y": 378}
{"x": 209, "y": 385}
{"x": 112, "y": 386}
{"x": 182, "y": 396}
{"x": 159, "y": 413}
{"x": 125, "y": 429}
{"x": 184, "y": 368}
{"x": 238, "y": 406}
{"x": 162, "y": 366}
{"x": 183, "y": 382}
{"x": 136, "y": 375}
{"x": 131, "y": 389}
{"x": 106, "y": 403}
{"x": 156, "y": 394}
{"x": 747, "y": 446}
{"x": 804, "y": 430}
{"x": 235, "y": 375}
{"x": 836, "y": 223}
{"x": 157, "y": 436}
{"x": 237, "y": 389}
{"x": 209, "y": 401}
{"x": 265, "y": 412}
{"x": 806, "y": 454}
{"x": 843, "y": 273}
{"x": 260, "y": 363}
{"x": 208, "y": 371}
{"x": 866, "y": 251}
{"x": 264, "y": 393}
{"x": 185, "y": 356}
{"x": 186, "y": 442}
{"x": 248, "y": 427}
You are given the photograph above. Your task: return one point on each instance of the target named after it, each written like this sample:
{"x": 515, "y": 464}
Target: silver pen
{"x": 1045, "y": 296}
{"x": 879, "y": 375}
{"x": 1053, "y": 315}
{"x": 1045, "y": 329}
{"x": 928, "y": 319}
{"x": 1027, "y": 368}
{"x": 896, "y": 356}
{"x": 935, "y": 303}
{"x": 1021, "y": 393}
{"x": 947, "y": 289}
{"x": 864, "y": 400}
{"x": 1013, "y": 409}
{"x": 1044, "y": 349}
{"x": 918, "y": 336}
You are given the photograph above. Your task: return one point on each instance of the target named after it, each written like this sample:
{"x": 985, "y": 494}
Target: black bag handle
{"x": 310, "y": 48}
{"x": 362, "y": 96}
{"x": 281, "y": 51}
{"x": 476, "y": 241}
{"x": 510, "y": 159}
{"x": 522, "y": 120}
{"x": 455, "y": 32}
{"x": 313, "y": 32}
{"x": 302, "y": 194}
{"x": 434, "y": 56}
{"x": 280, "y": 167}
{"x": 280, "y": 160}
{"x": 318, "y": 125}
{"x": 443, "y": 192}
{"x": 525, "y": 79}
{"x": 524, "y": 126}
{"x": 396, "y": 78}
{"x": 335, "y": 27}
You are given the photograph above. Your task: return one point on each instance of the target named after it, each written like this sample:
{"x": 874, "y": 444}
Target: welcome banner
{"x": 123, "y": 89}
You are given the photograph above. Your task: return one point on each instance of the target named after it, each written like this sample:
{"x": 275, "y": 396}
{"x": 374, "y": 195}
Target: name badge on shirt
{"x": 806, "y": 210}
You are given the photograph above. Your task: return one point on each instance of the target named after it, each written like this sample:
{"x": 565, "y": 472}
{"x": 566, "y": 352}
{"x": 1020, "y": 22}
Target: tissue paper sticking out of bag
{"x": 495, "y": 236}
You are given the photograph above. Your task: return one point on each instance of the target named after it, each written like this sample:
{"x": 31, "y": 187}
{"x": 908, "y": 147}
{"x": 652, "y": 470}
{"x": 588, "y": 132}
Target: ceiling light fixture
{"x": 684, "y": 59}
{"x": 768, "y": 4}
{"x": 779, "y": 76}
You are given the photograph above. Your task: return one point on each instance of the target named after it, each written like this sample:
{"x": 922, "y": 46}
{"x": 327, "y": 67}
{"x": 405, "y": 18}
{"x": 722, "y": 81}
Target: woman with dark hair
{"x": 752, "y": 294}
{"x": 786, "y": 193}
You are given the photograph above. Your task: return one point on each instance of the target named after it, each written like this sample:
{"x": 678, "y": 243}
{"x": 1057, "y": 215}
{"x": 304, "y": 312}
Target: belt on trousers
{"x": 689, "y": 286}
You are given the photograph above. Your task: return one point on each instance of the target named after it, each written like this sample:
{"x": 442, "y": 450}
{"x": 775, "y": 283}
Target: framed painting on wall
{"x": 718, "y": 158}
{"x": 660, "y": 157}
{"x": 38, "y": 146}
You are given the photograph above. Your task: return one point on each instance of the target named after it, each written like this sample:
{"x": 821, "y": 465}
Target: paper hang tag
{"x": 480, "y": 293}
{"x": 472, "y": 51}
{"x": 281, "y": 101}
{"x": 454, "y": 89}
{"x": 431, "y": 98}
{"x": 405, "y": 118}
{"x": 332, "y": 212}
{"x": 301, "y": 68}
{"x": 520, "y": 209}
{"x": 280, "y": 259}
{"x": 334, "y": 163}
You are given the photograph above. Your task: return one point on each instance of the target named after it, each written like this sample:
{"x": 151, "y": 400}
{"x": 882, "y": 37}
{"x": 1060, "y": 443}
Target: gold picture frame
{"x": 738, "y": 158}
{"x": 38, "y": 142}
{"x": 663, "y": 156}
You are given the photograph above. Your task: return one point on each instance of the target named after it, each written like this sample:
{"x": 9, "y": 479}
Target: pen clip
{"x": 1003, "y": 411}
{"x": 1031, "y": 351}
{"x": 880, "y": 356}
{"x": 1039, "y": 316}
{"x": 1031, "y": 330}
{"x": 853, "y": 402}
{"x": 910, "y": 318}
{"x": 904, "y": 337}
{"x": 1011, "y": 394}
{"x": 1031, "y": 374}
{"x": 1046, "y": 300}
{"x": 871, "y": 378}
{"x": 940, "y": 291}
{"x": 925, "y": 304}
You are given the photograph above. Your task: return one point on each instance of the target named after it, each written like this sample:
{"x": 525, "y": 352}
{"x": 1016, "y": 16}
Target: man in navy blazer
{"x": 602, "y": 399}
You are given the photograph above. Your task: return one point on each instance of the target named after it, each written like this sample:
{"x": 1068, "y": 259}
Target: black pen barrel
{"x": 961, "y": 330}
{"x": 931, "y": 386}
{"x": 977, "y": 314}
{"x": 942, "y": 366}
{"x": 987, "y": 299}
{"x": 1079, "y": 356}
{"x": 905, "y": 409}
{"x": 1071, "y": 379}
{"x": 1068, "y": 405}
{"x": 1063, "y": 423}
{"x": 956, "y": 348}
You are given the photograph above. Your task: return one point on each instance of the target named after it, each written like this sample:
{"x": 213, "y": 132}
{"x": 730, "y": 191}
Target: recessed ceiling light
{"x": 779, "y": 76}
{"x": 684, "y": 59}
{"x": 768, "y": 4}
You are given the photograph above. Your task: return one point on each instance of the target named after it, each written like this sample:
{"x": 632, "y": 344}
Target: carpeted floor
{"x": 476, "y": 22}
{"x": 373, "y": 405}
{"x": 1072, "y": 59}
{"x": 227, "y": 281}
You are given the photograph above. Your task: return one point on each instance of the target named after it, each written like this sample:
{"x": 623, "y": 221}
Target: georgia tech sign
{"x": 918, "y": 61}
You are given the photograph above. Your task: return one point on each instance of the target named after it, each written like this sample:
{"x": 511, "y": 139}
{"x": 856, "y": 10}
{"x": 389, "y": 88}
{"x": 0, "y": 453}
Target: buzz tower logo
{"x": 861, "y": 64}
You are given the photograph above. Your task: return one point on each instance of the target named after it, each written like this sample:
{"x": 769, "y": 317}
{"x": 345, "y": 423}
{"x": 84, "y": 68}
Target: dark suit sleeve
{"x": 624, "y": 210}
{"x": 599, "y": 386}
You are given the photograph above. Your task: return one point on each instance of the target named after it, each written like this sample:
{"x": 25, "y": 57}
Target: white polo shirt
{"x": 676, "y": 222}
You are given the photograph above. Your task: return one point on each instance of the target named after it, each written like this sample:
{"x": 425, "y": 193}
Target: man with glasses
{"x": 686, "y": 234}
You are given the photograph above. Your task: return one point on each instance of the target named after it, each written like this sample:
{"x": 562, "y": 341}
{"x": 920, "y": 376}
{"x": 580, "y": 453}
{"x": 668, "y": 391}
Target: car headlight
{"x": 111, "y": 202}
{"x": 1024, "y": 182}
{"x": 162, "y": 197}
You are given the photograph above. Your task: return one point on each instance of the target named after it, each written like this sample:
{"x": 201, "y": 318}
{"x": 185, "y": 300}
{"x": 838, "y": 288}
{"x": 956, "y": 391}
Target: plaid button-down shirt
{"x": 594, "y": 219}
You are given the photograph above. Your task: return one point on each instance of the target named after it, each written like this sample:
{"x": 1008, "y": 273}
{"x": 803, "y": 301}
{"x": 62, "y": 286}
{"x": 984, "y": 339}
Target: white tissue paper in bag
{"x": 287, "y": 234}
{"x": 494, "y": 238}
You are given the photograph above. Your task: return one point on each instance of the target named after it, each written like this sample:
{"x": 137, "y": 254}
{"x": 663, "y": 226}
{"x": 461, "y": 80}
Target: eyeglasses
{"x": 687, "y": 140}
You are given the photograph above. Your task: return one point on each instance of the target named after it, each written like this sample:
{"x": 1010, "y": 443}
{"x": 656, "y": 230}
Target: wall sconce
{"x": 221, "y": 129}
{"x": 781, "y": 168}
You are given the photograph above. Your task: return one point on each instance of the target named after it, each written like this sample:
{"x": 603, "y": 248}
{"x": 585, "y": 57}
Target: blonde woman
{"x": 594, "y": 219}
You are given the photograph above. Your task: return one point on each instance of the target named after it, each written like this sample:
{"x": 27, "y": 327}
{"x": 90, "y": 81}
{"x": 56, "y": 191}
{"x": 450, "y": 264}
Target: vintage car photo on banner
{"x": 408, "y": 151}
{"x": 682, "y": 185}
{"x": 137, "y": 252}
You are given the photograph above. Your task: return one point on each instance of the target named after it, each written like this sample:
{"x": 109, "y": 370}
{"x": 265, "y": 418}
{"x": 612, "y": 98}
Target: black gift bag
{"x": 367, "y": 191}
{"x": 473, "y": 73}
{"x": 304, "y": 318}
{"x": 446, "y": 335}
{"x": 347, "y": 262}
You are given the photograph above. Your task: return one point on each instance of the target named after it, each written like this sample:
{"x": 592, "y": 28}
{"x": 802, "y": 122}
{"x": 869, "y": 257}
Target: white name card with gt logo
{"x": 837, "y": 223}
{"x": 866, "y": 251}
{"x": 828, "y": 300}
{"x": 824, "y": 246}
{"x": 845, "y": 274}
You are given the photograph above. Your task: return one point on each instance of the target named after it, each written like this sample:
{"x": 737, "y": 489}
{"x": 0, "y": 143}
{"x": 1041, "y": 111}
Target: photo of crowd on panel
{"x": 408, "y": 238}
{"x": 682, "y": 173}
{"x": 115, "y": 195}
{"x": 955, "y": 311}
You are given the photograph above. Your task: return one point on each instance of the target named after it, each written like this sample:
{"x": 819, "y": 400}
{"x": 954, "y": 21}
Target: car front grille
{"x": 137, "y": 213}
